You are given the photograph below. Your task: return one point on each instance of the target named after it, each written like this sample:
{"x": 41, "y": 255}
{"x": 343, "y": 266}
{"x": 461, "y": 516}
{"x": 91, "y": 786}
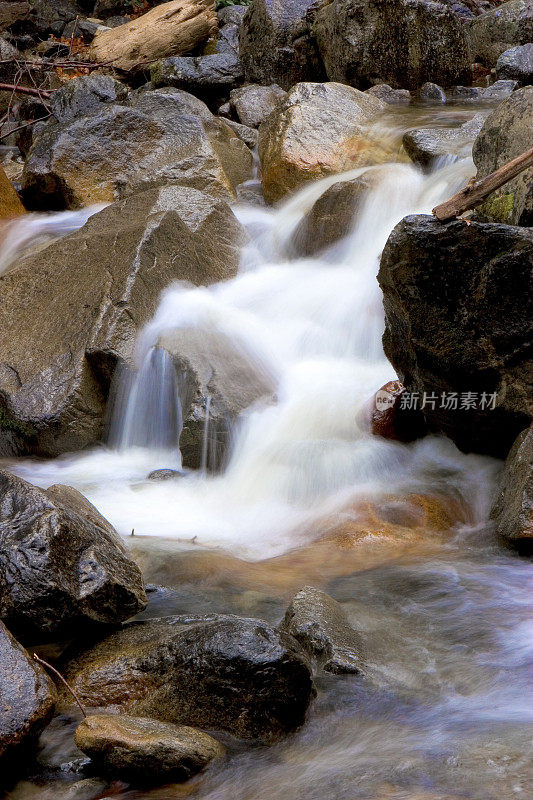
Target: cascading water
{"x": 449, "y": 631}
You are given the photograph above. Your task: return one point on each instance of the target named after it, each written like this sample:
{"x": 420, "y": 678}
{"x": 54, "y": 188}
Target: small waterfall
{"x": 146, "y": 408}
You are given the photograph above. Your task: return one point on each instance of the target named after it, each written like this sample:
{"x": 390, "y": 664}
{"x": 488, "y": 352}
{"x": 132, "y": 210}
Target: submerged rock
{"x": 516, "y": 64}
{"x": 90, "y": 294}
{"x": 218, "y": 378}
{"x": 499, "y": 29}
{"x": 145, "y": 749}
{"x": 321, "y": 627}
{"x": 513, "y": 511}
{"x": 276, "y": 45}
{"x": 458, "y": 306}
{"x": 158, "y": 141}
{"x": 218, "y": 672}
{"x": 400, "y": 42}
{"x": 507, "y": 133}
{"x": 63, "y": 566}
{"x": 318, "y": 130}
{"x": 425, "y": 145}
{"x": 27, "y": 698}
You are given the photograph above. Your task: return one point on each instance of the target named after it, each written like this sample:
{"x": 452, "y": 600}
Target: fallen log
{"x": 477, "y": 191}
{"x": 170, "y": 29}
{"x": 35, "y": 92}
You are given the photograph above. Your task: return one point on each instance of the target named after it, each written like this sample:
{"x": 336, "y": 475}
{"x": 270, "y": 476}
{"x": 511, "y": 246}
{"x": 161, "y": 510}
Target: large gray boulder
{"x": 506, "y": 133}
{"x": 321, "y": 627}
{"x": 212, "y": 75}
{"x": 27, "y": 699}
{"x": 215, "y": 672}
{"x": 252, "y": 103}
{"x": 403, "y": 43}
{"x": 516, "y": 64}
{"x": 276, "y": 45}
{"x": 78, "y": 306}
{"x": 499, "y": 29}
{"x": 426, "y": 145}
{"x": 319, "y": 129}
{"x": 458, "y": 306}
{"x": 116, "y": 150}
{"x": 219, "y": 379}
{"x": 145, "y": 749}
{"x": 81, "y": 96}
{"x": 513, "y": 511}
{"x": 62, "y": 565}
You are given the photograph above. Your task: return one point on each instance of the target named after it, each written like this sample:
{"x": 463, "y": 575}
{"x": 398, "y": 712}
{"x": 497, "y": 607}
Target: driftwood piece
{"x": 170, "y": 29}
{"x": 477, "y": 191}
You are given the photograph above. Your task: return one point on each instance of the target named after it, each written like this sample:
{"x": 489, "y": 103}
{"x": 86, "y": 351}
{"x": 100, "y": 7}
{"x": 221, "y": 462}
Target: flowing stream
{"x": 446, "y": 619}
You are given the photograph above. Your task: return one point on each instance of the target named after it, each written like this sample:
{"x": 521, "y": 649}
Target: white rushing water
{"x": 316, "y": 325}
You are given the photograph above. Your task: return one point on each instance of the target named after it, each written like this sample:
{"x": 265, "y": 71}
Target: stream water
{"x": 446, "y": 617}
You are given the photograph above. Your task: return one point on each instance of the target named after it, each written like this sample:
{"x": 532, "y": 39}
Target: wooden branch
{"x": 63, "y": 681}
{"x": 170, "y": 29}
{"x": 21, "y": 127}
{"x": 13, "y": 87}
{"x": 477, "y": 191}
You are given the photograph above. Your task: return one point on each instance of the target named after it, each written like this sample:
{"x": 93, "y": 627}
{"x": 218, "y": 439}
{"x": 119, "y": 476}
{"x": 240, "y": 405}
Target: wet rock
{"x": 145, "y": 749}
{"x": 168, "y": 103}
{"x": 516, "y": 64}
{"x": 425, "y": 145}
{"x": 319, "y": 129}
{"x": 499, "y": 29}
{"x": 207, "y": 75}
{"x": 458, "y": 306}
{"x": 80, "y": 96}
{"x": 228, "y": 40}
{"x": 331, "y": 218}
{"x": 392, "y": 418}
{"x": 393, "y": 97}
{"x": 513, "y": 511}
{"x": 220, "y": 672}
{"x": 495, "y": 93}
{"x": 63, "y": 565}
{"x": 401, "y": 42}
{"x": 231, "y": 15}
{"x": 249, "y": 136}
{"x": 116, "y": 22}
{"x": 27, "y": 698}
{"x": 276, "y": 45}
{"x": 47, "y": 17}
{"x": 10, "y": 205}
{"x": 252, "y": 104}
{"x": 218, "y": 379}
{"x": 506, "y": 133}
{"x": 132, "y": 149}
{"x": 432, "y": 93}
{"x": 321, "y": 627}
{"x": 113, "y": 8}
{"x": 94, "y": 290}
{"x": 165, "y": 475}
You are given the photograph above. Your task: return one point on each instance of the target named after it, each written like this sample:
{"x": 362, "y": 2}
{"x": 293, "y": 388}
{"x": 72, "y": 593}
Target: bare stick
{"x": 20, "y": 127}
{"x": 12, "y": 87}
{"x": 477, "y": 191}
{"x": 62, "y": 679}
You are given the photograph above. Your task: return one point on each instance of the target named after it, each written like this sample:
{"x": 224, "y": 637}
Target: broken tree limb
{"x": 477, "y": 191}
{"x": 170, "y": 29}
{"x": 13, "y": 87}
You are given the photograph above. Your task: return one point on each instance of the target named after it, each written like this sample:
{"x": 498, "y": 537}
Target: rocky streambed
{"x": 265, "y": 476}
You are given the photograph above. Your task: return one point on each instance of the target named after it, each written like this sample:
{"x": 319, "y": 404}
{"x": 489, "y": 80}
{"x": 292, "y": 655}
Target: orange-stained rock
{"x": 10, "y": 204}
{"x": 390, "y": 420}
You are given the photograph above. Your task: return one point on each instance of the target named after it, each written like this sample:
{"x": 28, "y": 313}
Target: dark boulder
{"x": 390, "y": 419}
{"x": 210, "y": 75}
{"x": 218, "y": 672}
{"x": 145, "y": 749}
{"x": 498, "y": 29}
{"x": 80, "y": 96}
{"x": 321, "y": 627}
{"x": 276, "y": 45}
{"x": 507, "y": 133}
{"x": 459, "y": 304}
{"x": 513, "y": 511}
{"x": 63, "y": 566}
{"x": 516, "y": 64}
{"x": 399, "y": 42}
{"x": 27, "y": 699}
{"x": 78, "y": 305}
